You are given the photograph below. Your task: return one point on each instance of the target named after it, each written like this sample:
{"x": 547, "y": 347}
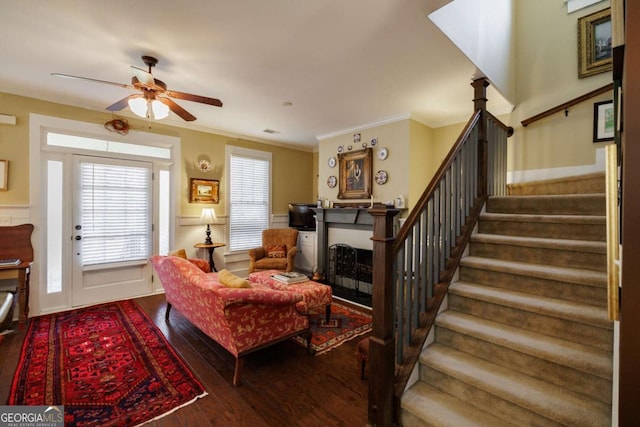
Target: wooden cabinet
{"x": 306, "y": 258}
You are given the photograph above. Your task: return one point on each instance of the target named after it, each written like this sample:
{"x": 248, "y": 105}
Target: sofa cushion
{"x": 179, "y": 253}
{"x": 277, "y": 251}
{"x": 230, "y": 280}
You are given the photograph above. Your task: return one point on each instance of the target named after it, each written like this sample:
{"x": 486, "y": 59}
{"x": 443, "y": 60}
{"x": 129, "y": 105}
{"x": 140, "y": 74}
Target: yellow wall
{"x": 287, "y": 162}
{"x": 422, "y": 161}
{"x": 393, "y": 136}
{"x": 546, "y": 76}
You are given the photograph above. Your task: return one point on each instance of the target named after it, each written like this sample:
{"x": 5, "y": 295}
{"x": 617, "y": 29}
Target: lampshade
{"x": 208, "y": 216}
{"x": 142, "y": 107}
{"x": 138, "y": 106}
{"x": 160, "y": 110}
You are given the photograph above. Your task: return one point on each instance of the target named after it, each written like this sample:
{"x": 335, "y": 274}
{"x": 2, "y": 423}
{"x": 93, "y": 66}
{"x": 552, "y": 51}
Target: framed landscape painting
{"x": 594, "y": 44}
{"x": 204, "y": 191}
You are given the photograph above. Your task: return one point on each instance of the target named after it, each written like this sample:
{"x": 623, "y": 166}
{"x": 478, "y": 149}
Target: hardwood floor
{"x": 280, "y": 386}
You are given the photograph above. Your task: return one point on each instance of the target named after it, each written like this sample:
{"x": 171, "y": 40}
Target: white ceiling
{"x": 344, "y": 64}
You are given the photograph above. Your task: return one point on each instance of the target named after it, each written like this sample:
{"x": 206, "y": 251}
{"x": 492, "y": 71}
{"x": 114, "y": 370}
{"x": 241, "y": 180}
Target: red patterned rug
{"x": 346, "y": 323}
{"x": 109, "y": 365}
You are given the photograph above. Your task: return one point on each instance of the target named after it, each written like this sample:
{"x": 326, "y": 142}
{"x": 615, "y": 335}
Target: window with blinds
{"x": 116, "y": 213}
{"x": 249, "y": 197}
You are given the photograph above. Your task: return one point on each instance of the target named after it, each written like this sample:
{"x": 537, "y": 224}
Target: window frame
{"x": 230, "y": 152}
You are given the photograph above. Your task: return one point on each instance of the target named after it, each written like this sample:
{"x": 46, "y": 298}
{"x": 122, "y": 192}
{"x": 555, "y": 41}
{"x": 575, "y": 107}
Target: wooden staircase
{"x": 525, "y": 339}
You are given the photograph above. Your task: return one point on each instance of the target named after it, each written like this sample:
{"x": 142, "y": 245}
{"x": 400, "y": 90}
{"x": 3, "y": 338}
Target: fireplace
{"x": 338, "y": 226}
{"x": 350, "y": 273}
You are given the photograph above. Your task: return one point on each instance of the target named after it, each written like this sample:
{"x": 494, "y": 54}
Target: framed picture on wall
{"x": 355, "y": 174}
{"x": 204, "y": 191}
{"x": 594, "y": 44}
{"x": 603, "y": 121}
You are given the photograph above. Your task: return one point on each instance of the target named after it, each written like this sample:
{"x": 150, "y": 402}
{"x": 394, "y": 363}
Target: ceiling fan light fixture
{"x": 160, "y": 110}
{"x": 138, "y": 106}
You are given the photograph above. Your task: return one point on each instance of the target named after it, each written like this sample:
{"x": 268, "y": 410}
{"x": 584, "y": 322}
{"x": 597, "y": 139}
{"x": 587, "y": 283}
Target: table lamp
{"x": 208, "y": 217}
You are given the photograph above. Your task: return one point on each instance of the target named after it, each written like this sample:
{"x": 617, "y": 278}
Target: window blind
{"x": 249, "y": 201}
{"x": 116, "y": 213}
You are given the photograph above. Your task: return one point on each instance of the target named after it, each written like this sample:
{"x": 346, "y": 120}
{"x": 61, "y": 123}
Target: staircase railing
{"x": 412, "y": 271}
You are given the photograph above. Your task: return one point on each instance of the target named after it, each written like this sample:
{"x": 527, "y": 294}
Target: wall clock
{"x": 332, "y": 162}
{"x": 332, "y": 181}
{"x": 382, "y": 153}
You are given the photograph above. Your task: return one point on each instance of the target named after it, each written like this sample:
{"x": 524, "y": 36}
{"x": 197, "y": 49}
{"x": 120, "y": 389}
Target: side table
{"x": 210, "y": 247}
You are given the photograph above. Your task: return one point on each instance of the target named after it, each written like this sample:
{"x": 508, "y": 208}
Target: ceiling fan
{"x": 154, "y": 99}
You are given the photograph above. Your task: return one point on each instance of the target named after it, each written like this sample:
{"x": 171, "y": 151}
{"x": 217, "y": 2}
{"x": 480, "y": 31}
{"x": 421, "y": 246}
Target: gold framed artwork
{"x": 204, "y": 191}
{"x": 4, "y": 174}
{"x": 594, "y": 44}
{"x": 355, "y": 174}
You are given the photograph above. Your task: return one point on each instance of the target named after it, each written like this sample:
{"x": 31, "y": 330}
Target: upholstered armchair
{"x": 278, "y": 250}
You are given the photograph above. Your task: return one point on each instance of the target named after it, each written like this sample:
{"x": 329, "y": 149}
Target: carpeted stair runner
{"x": 525, "y": 339}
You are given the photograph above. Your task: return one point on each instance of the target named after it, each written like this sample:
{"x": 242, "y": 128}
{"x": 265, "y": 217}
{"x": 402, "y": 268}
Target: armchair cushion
{"x": 276, "y": 251}
{"x": 230, "y": 280}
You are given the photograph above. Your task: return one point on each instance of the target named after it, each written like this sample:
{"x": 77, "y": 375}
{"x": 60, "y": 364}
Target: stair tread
{"x": 542, "y": 271}
{"x": 542, "y": 242}
{"x": 562, "y": 218}
{"x": 565, "y": 353}
{"x": 562, "y": 309}
{"x": 538, "y": 396}
{"x": 438, "y": 408}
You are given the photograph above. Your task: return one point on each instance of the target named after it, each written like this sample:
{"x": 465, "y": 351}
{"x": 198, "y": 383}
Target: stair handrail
{"x": 411, "y": 274}
{"x": 564, "y": 106}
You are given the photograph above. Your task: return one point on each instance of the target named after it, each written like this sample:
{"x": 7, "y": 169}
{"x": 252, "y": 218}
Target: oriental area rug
{"x": 346, "y": 323}
{"x": 109, "y": 365}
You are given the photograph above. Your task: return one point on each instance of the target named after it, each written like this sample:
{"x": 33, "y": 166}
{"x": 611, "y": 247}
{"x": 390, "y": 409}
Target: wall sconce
{"x": 208, "y": 217}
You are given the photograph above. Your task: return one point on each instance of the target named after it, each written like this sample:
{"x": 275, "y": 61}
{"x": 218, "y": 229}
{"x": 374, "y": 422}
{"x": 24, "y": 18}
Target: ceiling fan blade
{"x": 123, "y": 103}
{"x": 194, "y": 98}
{"x": 187, "y": 116}
{"x": 143, "y": 76}
{"x": 68, "y": 76}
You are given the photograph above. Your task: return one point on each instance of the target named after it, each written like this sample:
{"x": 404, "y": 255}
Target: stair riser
{"x": 551, "y": 230}
{"x": 586, "y": 205}
{"x": 538, "y": 255}
{"x": 567, "y": 291}
{"x": 481, "y": 399}
{"x": 531, "y": 321}
{"x": 572, "y": 379}
{"x": 584, "y": 184}
{"x": 410, "y": 420}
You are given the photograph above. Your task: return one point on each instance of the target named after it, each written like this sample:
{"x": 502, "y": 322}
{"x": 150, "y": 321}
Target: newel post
{"x": 382, "y": 342}
{"x": 480, "y": 103}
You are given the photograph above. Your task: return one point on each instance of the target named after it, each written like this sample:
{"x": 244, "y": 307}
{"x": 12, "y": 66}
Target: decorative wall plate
{"x": 204, "y": 165}
{"x": 382, "y": 153}
{"x": 349, "y": 147}
{"x": 332, "y": 181}
{"x": 332, "y": 162}
{"x": 340, "y": 148}
{"x": 381, "y": 177}
{"x": 374, "y": 141}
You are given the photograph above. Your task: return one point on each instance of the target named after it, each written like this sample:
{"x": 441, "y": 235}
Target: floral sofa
{"x": 241, "y": 320}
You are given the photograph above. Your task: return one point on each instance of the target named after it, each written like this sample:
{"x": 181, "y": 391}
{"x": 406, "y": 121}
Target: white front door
{"x": 112, "y": 229}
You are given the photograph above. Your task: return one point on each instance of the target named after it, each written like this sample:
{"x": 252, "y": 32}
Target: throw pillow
{"x": 230, "y": 280}
{"x": 276, "y": 251}
{"x": 179, "y": 253}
